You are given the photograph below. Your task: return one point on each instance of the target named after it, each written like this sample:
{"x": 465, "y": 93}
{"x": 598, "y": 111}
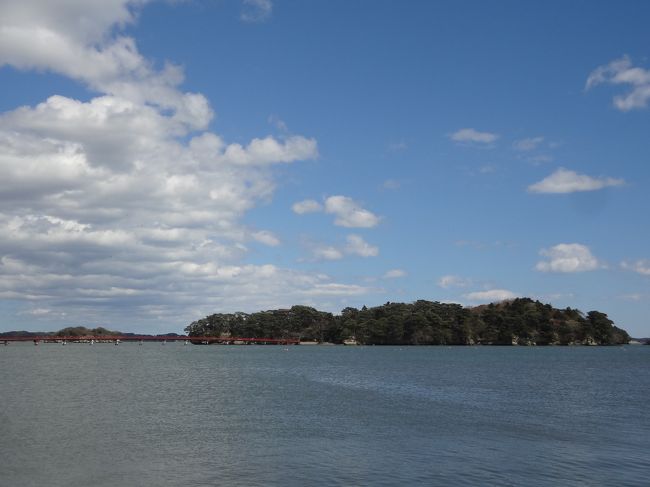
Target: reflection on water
{"x": 227, "y": 415}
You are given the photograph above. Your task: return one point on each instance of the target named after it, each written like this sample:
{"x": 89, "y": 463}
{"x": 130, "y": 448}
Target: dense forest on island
{"x": 520, "y": 321}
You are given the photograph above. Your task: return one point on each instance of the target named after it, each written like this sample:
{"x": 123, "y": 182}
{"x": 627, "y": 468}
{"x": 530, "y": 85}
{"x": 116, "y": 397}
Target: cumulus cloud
{"x": 327, "y": 252}
{"x": 74, "y": 39}
{"x": 565, "y": 181}
{"x": 394, "y": 274}
{"x": 124, "y": 205}
{"x": 622, "y": 72}
{"x": 355, "y": 246}
{"x": 573, "y": 257}
{"x": 269, "y": 151}
{"x": 349, "y": 213}
{"x": 491, "y": 295}
{"x": 266, "y": 237}
{"x": 358, "y": 246}
{"x": 307, "y": 206}
{"x": 469, "y": 135}
{"x": 450, "y": 281}
{"x": 641, "y": 266}
{"x": 256, "y": 10}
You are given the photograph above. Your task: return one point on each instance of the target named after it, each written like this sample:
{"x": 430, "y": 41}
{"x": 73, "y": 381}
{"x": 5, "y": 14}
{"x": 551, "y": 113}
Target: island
{"x": 521, "y": 321}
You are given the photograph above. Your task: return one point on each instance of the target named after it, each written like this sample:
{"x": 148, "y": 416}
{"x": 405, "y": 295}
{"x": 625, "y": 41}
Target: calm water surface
{"x": 174, "y": 415}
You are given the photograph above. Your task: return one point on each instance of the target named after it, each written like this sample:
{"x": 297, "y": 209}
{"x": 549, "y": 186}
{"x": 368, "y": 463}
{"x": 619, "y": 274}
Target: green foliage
{"x": 77, "y": 331}
{"x": 520, "y": 321}
{"x": 298, "y": 322}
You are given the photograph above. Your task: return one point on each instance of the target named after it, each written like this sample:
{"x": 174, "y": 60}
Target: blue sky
{"x": 160, "y": 161}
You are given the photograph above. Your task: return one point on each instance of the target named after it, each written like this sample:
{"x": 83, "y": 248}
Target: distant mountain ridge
{"x": 77, "y": 331}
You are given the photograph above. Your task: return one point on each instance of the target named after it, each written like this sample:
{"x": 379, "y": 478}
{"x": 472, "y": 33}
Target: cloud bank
{"x": 126, "y": 208}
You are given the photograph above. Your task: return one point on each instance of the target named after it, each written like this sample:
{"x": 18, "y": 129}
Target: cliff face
{"x": 517, "y": 322}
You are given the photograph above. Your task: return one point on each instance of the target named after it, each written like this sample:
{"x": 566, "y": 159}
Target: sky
{"x": 165, "y": 160}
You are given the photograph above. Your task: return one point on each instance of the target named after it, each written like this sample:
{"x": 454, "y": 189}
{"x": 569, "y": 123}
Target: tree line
{"x": 520, "y": 321}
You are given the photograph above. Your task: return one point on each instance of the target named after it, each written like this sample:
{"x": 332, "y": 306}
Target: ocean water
{"x": 175, "y": 415}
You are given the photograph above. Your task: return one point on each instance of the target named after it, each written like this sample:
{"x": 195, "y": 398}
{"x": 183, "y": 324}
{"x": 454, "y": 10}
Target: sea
{"x": 84, "y": 415}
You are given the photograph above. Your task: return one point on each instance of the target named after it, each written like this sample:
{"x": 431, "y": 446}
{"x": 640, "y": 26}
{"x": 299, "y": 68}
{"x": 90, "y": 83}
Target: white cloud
{"x": 469, "y": 135}
{"x": 256, "y": 10}
{"x": 269, "y": 150}
{"x": 641, "y": 266}
{"x": 565, "y": 181}
{"x": 355, "y": 245}
{"x": 450, "y": 281}
{"x": 358, "y": 246}
{"x": 573, "y": 257}
{"x": 349, "y": 213}
{"x": 327, "y": 253}
{"x": 622, "y": 72}
{"x": 39, "y": 311}
{"x": 267, "y": 238}
{"x": 124, "y": 206}
{"x": 492, "y": 295}
{"x": 74, "y": 39}
{"x": 306, "y": 206}
{"x": 528, "y": 144}
{"x": 337, "y": 290}
{"x": 82, "y": 20}
{"x": 394, "y": 274}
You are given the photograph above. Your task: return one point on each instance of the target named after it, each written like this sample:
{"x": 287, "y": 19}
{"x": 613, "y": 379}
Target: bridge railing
{"x": 226, "y": 340}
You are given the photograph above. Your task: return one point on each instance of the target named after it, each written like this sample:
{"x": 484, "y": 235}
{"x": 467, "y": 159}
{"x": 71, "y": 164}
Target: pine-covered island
{"x": 520, "y": 321}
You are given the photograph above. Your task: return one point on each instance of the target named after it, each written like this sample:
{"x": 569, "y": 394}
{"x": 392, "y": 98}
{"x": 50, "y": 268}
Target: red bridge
{"x": 196, "y": 340}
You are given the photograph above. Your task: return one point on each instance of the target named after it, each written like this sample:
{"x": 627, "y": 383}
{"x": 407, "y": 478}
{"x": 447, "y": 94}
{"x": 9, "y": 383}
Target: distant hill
{"x": 520, "y": 321}
{"x": 76, "y": 331}
{"x": 69, "y": 332}
{"x": 23, "y": 333}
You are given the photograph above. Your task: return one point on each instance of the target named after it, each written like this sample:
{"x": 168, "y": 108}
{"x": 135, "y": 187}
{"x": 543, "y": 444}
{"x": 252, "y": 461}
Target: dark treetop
{"x": 520, "y": 321}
